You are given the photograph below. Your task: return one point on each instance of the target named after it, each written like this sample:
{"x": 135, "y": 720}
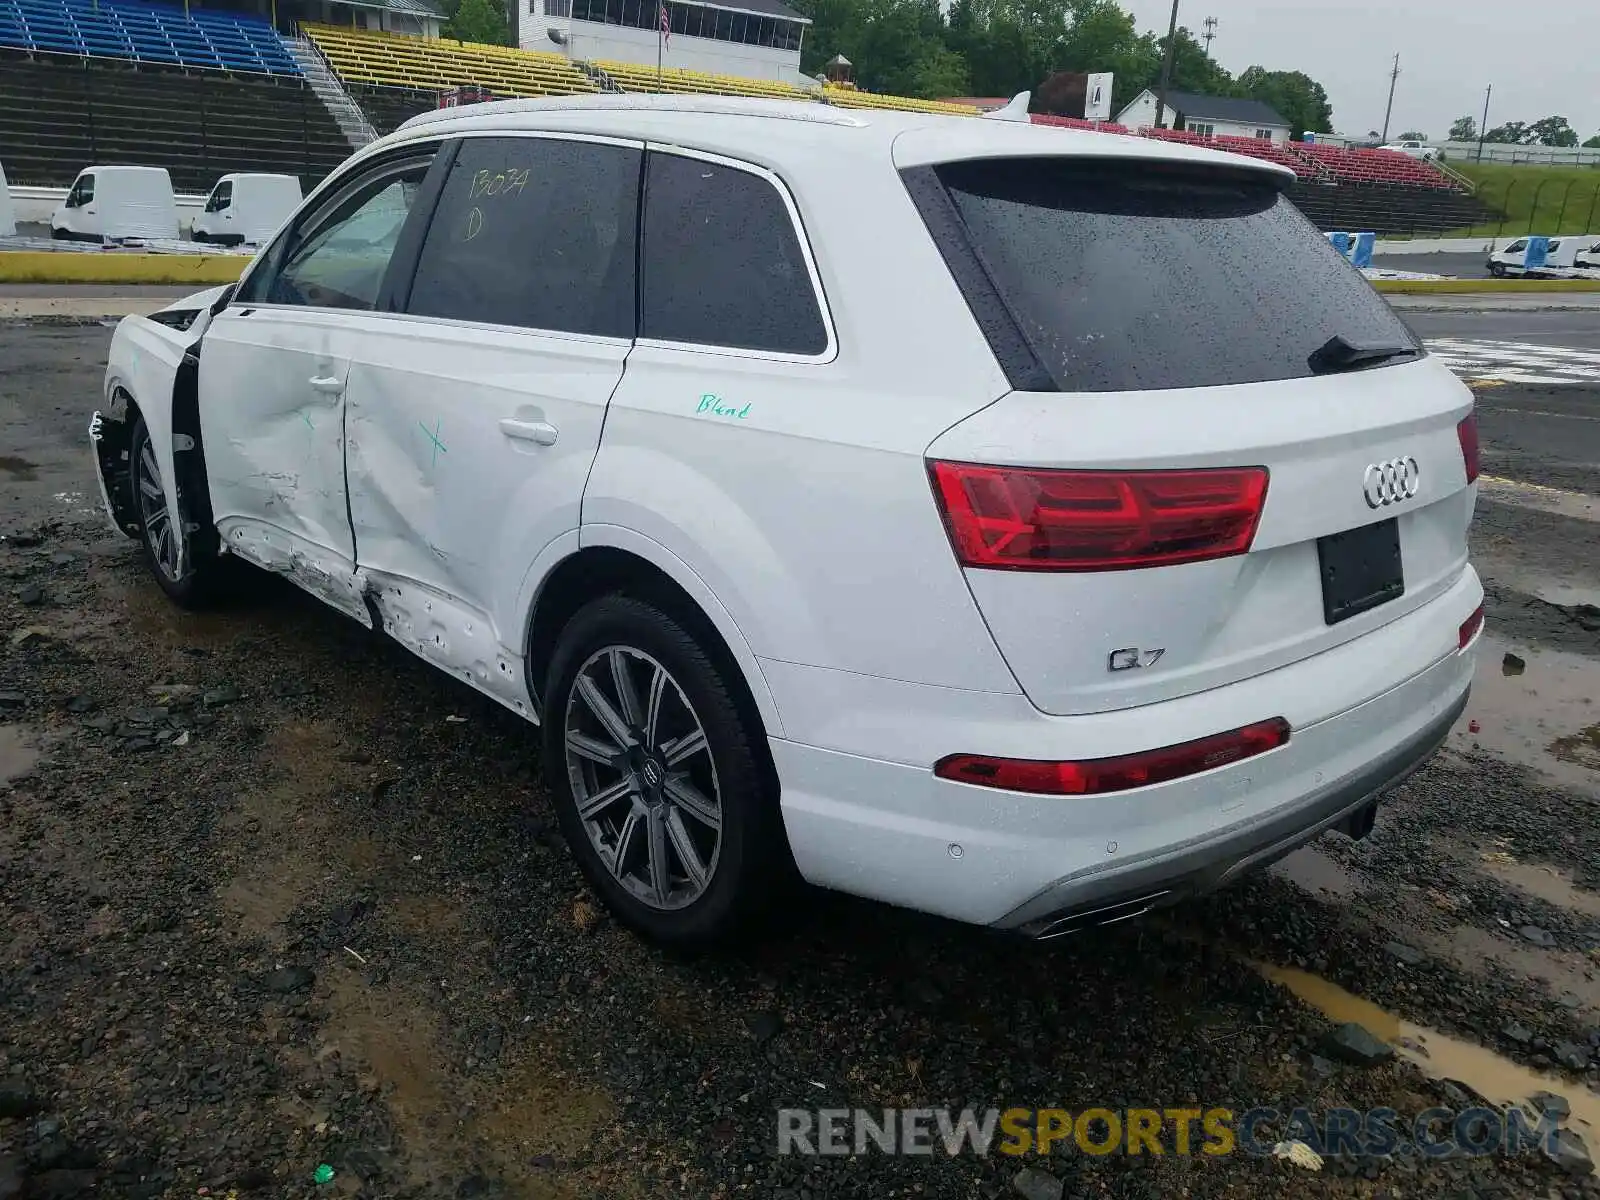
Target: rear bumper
{"x": 1363, "y": 717}
{"x": 1165, "y": 878}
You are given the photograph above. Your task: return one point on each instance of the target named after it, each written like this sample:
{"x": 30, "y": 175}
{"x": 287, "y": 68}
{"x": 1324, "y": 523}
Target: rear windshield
{"x": 1126, "y": 278}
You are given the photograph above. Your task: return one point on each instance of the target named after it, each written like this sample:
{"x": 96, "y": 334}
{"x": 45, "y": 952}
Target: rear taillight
{"x": 1467, "y": 435}
{"x": 1025, "y": 519}
{"x": 1098, "y": 775}
{"x": 1470, "y": 627}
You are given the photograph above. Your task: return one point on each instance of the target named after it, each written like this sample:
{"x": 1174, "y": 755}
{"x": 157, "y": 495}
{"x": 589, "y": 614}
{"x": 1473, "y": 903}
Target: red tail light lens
{"x": 1467, "y": 434}
{"x": 1099, "y": 775}
{"x": 1470, "y": 627}
{"x": 1022, "y": 519}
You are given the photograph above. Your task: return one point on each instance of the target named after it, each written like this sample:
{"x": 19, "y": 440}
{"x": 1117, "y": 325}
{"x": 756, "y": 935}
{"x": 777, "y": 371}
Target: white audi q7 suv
{"x": 1023, "y": 525}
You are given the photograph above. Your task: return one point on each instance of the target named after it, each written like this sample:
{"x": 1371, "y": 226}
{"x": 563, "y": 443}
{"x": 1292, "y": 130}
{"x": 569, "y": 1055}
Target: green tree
{"x": 477, "y": 21}
{"x": 1553, "y": 131}
{"x": 1593, "y": 143}
{"x": 1512, "y": 133}
{"x": 1464, "y": 129}
{"x": 1413, "y": 136}
{"x": 1299, "y": 99}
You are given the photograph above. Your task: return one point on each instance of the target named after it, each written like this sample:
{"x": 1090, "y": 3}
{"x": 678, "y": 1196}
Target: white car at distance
{"x": 1023, "y": 525}
{"x": 1412, "y": 149}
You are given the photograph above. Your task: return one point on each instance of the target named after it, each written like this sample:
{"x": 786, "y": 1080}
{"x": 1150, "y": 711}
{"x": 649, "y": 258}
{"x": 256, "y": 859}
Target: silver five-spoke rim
{"x": 159, "y": 531}
{"x": 642, "y": 777}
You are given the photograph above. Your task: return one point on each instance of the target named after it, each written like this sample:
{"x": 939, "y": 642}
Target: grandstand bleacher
{"x": 149, "y": 33}
{"x": 395, "y": 60}
{"x": 59, "y": 114}
{"x": 854, "y": 98}
{"x": 630, "y": 77}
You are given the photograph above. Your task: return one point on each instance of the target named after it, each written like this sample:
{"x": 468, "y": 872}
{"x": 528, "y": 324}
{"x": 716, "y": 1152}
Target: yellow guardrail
{"x": 47, "y": 266}
{"x": 1506, "y": 287}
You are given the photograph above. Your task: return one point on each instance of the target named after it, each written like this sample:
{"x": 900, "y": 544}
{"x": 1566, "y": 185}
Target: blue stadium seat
{"x": 146, "y": 32}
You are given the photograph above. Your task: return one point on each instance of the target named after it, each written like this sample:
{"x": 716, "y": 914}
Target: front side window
{"x": 1123, "y": 277}
{"x": 1516, "y": 246}
{"x": 338, "y": 258}
{"x": 221, "y": 196}
{"x": 723, "y": 264}
{"x": 536, "y": 232}
{"x": 82, "y": 191}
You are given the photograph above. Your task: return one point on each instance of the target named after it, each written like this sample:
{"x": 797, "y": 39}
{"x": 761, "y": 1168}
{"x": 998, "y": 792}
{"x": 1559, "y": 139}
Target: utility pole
{"x": 1166, "y": 64}
{"x": 1210, "y": 26}
{"x": 1393, "y": 76}
{"x": 1483, "y": 129}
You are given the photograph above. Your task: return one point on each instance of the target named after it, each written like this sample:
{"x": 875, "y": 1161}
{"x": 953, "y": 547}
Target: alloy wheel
{"x": 160, "y": 532}
{"x": 643, "y": 778}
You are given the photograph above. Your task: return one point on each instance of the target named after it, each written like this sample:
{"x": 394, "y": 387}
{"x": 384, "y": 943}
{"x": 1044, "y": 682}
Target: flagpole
{"x": 660, "y": 16}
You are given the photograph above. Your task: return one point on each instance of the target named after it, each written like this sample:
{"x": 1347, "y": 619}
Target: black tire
{"x": 59, "y": 235}
{"x": 752, "y": 873}
{"x": 199, "y": 235}
{"x": 1498, "y": 270}
{"x": 201, "y": 581}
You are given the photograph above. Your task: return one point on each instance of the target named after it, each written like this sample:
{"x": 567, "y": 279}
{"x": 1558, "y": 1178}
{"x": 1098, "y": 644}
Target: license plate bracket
{"x": 1361, "y": 569}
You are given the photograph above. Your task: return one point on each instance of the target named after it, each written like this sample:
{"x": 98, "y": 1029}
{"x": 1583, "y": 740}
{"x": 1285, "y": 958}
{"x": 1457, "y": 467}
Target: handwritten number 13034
{"x": 492, "y": 183}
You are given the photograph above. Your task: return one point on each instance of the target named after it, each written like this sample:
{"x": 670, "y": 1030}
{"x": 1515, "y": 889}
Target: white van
{"x": 246, "y": 208}
{"x": 1587, "y": 257}
{"x": 8, "y": 213}
{"x": 116, "y": 203}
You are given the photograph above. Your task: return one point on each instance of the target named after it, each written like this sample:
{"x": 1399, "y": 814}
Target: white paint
{"x": 1579, "y": 505}
{"x": 1516, "y": 362}
{"x": 806, "y": 532}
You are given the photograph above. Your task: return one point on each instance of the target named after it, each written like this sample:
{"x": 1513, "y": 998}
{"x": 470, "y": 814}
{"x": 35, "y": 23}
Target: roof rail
{"x": 733, "y": 106}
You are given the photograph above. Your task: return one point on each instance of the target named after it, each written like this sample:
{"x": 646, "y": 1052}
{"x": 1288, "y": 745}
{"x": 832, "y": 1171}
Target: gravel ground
{"x": 276, "y": 895}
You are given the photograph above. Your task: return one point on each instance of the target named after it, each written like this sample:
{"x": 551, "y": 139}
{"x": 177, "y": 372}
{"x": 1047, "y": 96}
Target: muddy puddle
{"x": 1536, "y": 707}
{"x": 1497, "y": 1079}
{"x": 17, "y": 753}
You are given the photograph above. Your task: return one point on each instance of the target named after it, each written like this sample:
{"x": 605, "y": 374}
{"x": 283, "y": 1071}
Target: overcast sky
{"x": 1449, "y": 51}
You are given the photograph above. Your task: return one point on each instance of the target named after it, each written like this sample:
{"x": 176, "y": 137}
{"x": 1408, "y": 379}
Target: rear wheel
{"x": 661, "y": 784}
{"x": 187, "y": 573}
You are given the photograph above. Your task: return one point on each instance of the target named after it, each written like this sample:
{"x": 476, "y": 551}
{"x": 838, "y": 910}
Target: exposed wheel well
{"x": 112, "y": 449}
{"x": 600, "y": 570}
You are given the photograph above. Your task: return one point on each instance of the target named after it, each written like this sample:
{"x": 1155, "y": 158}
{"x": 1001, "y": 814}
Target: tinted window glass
{"x": 1132, "y": 278}
{"x": 537, "y": 232}
{"x": 722, "y": 261}
{"x": 221, "y": 197}
{"x": 338, "y": 259}
{"x": 82, "y": 192}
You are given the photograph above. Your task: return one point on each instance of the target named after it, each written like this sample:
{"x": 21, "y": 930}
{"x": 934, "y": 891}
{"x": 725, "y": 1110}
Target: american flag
{"x": 666, "y": 25}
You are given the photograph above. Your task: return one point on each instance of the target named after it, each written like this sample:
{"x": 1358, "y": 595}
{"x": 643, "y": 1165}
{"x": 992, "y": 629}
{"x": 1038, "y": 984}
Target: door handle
{"x": 328, "y": 385}
{"x": 542, "y": 432}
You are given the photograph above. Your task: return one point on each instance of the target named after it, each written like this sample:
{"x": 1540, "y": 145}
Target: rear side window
{"x": 1134, "y": 278}
{"x": 722, "y": 261}
{"x": 537, "y": 232}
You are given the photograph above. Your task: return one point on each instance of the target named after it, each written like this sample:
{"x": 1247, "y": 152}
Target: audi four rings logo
{"x": 1391, "y": 482}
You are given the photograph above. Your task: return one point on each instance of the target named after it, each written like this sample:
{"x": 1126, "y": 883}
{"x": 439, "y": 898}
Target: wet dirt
{"x": 1543, "y": 714}
{"x": 1440, "y": 1056}
{"x": 17, "y": 753}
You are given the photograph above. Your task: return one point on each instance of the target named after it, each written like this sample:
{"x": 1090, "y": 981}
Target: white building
{"x": 757, "y": 39}
{"x": 1208, "y": 115}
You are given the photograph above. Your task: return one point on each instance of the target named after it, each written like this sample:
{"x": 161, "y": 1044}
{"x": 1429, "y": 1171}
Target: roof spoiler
{"x": 1016, "y": 110}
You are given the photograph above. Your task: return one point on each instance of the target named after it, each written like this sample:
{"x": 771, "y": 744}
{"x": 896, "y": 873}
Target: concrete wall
{"x": 37, "y": 203}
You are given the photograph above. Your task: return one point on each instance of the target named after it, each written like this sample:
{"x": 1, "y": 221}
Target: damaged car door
{"x": 474, "y": 410}
{"x": 273, "y": 372}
